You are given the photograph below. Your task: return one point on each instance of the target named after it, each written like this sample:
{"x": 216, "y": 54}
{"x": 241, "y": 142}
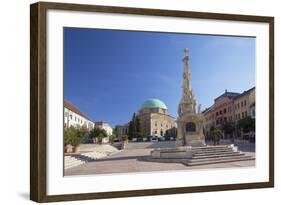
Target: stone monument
{"x": 190, "y": 120}
{"x": 191, "y": 149}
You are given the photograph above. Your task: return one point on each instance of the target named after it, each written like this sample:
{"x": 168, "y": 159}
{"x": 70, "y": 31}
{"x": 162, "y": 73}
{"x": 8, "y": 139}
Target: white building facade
{"x": 107, "y": 128}
{"x": 74, "y": 117}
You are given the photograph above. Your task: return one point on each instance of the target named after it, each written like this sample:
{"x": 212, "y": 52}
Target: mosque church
{"x": 154, "y": 115}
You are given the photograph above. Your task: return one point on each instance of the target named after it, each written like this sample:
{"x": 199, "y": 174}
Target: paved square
{"x": 130, "y": 160}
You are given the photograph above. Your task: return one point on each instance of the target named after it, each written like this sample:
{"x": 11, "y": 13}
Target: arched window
{"x": 190, "y": 127}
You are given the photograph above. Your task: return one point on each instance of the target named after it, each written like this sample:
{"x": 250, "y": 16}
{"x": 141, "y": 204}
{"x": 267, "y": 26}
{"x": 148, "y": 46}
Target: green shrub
{"x": 72, "y": 136}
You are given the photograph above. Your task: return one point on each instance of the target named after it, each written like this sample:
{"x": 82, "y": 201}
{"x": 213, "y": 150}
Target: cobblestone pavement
{"x": 128, "y": 160}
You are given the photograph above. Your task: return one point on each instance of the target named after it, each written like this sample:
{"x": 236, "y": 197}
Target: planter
{"x": 76, "y": 149}
{"x": 68, "y": 148}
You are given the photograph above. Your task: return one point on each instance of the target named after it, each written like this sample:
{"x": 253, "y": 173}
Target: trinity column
{"x": 190, "y": 120}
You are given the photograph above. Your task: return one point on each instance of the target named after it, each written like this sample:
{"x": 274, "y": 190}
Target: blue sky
{"x": 109, "y": 74}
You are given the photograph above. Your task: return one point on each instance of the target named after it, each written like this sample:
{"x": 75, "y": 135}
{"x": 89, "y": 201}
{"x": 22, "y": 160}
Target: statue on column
{"x": 188, "y": 114}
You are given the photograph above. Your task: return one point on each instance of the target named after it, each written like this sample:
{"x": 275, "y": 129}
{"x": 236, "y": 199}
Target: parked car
{"x": 172, "y": 139}
{"x": 145, "y": 139}
{"x": 139, "y": 139}
{"x": 154, "y": 139}
{"x": 134, "y": 139}
{"x": 161, "y": 138}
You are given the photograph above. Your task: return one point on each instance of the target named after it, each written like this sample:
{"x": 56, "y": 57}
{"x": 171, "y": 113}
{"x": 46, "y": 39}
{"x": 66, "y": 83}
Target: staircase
{"x": 72, "y": 161}
{"x": 215, "y": 154}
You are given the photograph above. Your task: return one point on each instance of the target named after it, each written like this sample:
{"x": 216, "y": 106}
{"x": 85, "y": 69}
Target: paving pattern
{"x": 130, "y": 160}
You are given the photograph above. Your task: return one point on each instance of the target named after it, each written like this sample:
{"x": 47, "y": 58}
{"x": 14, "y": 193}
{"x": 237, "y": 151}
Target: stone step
{"x": 73, "y": 164}
{"x": 69, "y": 157}
{"x": 213, "y": 154}
{"x": 213, "y": 151}
{"x": 213, "y": 148}
{"x": 71, "y": 161}
{"x": 95, "y": 155}
{"x": 218, "y": 155}
{"x": 216, "y": 160}
{"x": 208, "y": 151}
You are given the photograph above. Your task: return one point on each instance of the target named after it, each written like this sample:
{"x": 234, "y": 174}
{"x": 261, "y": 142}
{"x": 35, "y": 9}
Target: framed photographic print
{"x": 136, "y": 102}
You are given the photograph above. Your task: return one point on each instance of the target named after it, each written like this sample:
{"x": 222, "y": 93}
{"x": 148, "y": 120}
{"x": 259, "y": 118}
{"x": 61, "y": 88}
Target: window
{"x": 70, "y": 117}
{"x": 155, "y": 132}
{"x": 225, "y": 119}
{"x": 190, "y": 127}
{"x": 155, "y": 123}
{"x": 220, "y": 111}
{"x": 224, "y": 110}
{"x": 238, "y": 106}
{"x": 241, "y": 103}
{"x": 245, "y": 102}
{"x": 217, "y": 113}
{"x": 239, "y": 116}
{"x": 242, "y": 115}
{"x": 246, "y": 114}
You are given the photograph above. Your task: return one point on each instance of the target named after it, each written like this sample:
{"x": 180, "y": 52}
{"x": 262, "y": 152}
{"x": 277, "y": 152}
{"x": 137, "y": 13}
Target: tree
{"x": 134, "y": 127}
{"x": 247, "y": 124}
{"x": 114, "y": 135}
{"x": 98, "y": 134}
{"x": 71, "y": 136}
{"x": 131, "y": 131}
{"x": 83, "y": 134}
{"x": 216, "y": 135}
{"x": 137, "y": 124}
{"x": 228, "y": 128}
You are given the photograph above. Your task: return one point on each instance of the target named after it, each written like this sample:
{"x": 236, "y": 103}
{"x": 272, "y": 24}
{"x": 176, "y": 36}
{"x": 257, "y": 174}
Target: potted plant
{"x": 72, "y": 139}
{"x": 68, "y": 135}
{"x": 76, "y": 144}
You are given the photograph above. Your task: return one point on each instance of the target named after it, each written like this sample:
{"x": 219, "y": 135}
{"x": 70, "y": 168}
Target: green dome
{"x": 154, "y": 103}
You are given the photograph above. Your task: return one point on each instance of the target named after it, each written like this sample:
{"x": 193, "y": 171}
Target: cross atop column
{"x": 186, "y": 51}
